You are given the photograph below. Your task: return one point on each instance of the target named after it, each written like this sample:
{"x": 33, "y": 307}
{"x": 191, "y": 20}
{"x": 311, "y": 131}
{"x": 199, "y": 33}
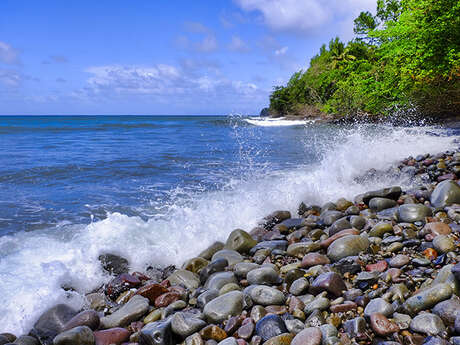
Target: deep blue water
{"x": 74, "y": 169}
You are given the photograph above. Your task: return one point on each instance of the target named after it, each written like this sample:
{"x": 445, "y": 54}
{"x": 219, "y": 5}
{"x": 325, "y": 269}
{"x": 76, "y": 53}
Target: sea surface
{"x": 159, "y": 189}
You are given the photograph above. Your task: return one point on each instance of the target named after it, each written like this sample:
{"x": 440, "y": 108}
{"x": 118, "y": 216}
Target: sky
{"x": 157, "y": 57}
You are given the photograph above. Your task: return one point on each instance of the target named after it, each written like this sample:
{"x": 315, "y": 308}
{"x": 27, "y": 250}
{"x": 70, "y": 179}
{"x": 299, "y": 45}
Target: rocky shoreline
{"x": 380, "y": 269}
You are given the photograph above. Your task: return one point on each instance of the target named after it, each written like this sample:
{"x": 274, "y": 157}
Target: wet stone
{"x": 313, "y": 259}
{"x": 51, "y": 323}
{"x": 213, "y": 332}
{"x": 299, "y": 286}
{"x": 111, "y": 336}
{"x": 114, "y": 264}
{"x": 85, "y": 318}
{"x": 156, "y": 333}
{"x": 266, "y": 295}
{"x": 448, "y": 310}
{"x": 217, "y": 280}
{"x": 413, "y": 212}
{"x": 399, "y": 260}
{"x": 220, "y": 308}
{"x": 445, "y": 193}
{"x": 151, "y": 291}
{"x": 211, "y": 250}
{"x": 131, "y": 311}
{"x": 232, "y": 256}
{"x": 81, "y": 335}
{"x": 263, "y": 276}
{"x": 379, "y": 204}
{"x": 330, "y": 282}
{"x": 427, "y": 323}
{"x": 186, "y": 278}
{"x": 428, "y": 298}
{"x": 347, "y": 246}
{"x": 184, "y": 325}
{"x": 381, "y": 325}
{"x": 355, "y": 327}
{"x": 378, "y": 305}
{"x": 240, "y": 241}
{"x": 270, "y": 326}
{"x": 309, "y": 336}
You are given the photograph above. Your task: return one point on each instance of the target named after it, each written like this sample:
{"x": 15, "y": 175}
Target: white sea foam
{"x": 36, "y": 264}
{"x": 277, "y": 122}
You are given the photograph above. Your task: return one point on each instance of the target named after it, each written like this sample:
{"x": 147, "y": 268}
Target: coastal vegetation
{"x": 405, "y": 57}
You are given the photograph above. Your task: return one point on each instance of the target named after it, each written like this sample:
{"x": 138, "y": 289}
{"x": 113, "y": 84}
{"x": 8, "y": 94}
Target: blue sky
{"x": 159, "y": 57}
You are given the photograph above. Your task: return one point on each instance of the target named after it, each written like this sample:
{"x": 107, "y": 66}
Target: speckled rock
{"x": 427, "y": 323}
{"x": 265, "y": 295}
{"x": 240, "y": 241}
{"x": 443, "y": 244}
{"x": 381, "y": 325}
{"x": 428, "y": 298}
{"x": 448, "y": 310}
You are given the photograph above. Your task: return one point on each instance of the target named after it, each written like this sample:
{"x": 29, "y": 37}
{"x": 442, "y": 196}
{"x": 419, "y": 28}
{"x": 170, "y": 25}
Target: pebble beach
{"x": 382, "y": 268}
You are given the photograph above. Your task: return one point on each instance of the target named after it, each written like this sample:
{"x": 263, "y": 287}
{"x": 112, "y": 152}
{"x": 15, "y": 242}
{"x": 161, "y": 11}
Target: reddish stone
{"x": 140, "y": 276}
{"x": 276, "y": 309}
{"x": 241, "y": 341}
{"x": 382, "y": 326}
{"x": 327, "y": 242}
{"x": 233, "y": 324}
{"x": 178, "y": 289}
{"x": 295, "y": 303}
{"x": 165, "y": 283}
{"x": 430, "y": 253}
{"x": 88, "y": 318}
{"x": 446, "y": 177}
{"x": 438, "y": 228}
{"x": 151, "y": 291}
{"x": 342, "y": 308}
{"x": 111, "y": 336}
{"x": 380, "y": 266}
{"x": 313, "y": 259}
{"x": 331, "y": 282}
{"x": 120, "y": 284}
{"x": 166, "y": 299}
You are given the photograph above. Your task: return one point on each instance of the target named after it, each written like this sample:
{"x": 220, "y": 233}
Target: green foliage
{"x": 407, "y": 55}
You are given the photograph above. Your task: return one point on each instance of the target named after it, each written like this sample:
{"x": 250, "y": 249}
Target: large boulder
{"x": 81, "y": 335}
{"x": 240, "y": 241}
{"x": 136, "y": 307}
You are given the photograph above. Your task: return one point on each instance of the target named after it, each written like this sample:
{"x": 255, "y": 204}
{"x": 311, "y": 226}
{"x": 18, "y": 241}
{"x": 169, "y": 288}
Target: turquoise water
{"x": 158, "y": 190}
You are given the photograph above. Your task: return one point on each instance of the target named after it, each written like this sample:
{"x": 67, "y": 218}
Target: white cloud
{"x": 307, "y": 16}
{"x": 207, "y": 45}
{"x": 161, "y": 80}
{"x": 281, "y": 51}
{"x": 8, "y": 54}
{"x": 200, "y": 38}
{"x": 238, "y": 45}
{"x": 10, "y": 78}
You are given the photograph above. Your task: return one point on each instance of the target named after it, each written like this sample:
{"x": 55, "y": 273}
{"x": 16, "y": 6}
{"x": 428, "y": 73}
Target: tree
{"x": 363, "y": 25}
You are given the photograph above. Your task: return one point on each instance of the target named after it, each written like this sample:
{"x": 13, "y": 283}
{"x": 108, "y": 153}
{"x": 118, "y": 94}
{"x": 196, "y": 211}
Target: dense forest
{"x": 405, "y": 57}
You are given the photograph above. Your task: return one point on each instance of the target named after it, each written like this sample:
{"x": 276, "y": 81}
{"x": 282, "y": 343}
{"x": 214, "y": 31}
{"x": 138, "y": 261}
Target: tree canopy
{"x": 406, "y": 56}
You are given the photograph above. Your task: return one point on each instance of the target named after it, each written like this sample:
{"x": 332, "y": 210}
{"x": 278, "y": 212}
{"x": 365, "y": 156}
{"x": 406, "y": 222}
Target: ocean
{"x": 159, "y": 189}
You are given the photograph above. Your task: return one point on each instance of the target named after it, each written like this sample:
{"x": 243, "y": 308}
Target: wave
{"x": 278, "y": 122}
{"x": 36, "y": 265}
